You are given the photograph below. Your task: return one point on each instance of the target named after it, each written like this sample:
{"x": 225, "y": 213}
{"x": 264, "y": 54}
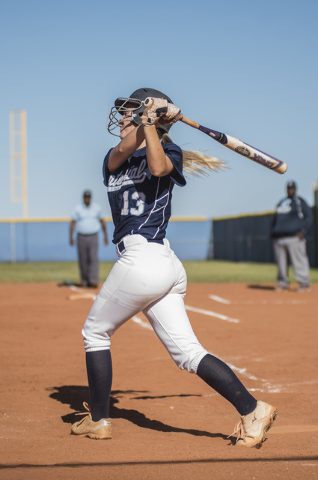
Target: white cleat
{"x": 252, "y": 428}
{"x": 88, "y": 428}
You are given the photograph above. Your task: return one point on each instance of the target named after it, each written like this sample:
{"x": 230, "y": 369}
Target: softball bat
{"x": 240, "y": 147}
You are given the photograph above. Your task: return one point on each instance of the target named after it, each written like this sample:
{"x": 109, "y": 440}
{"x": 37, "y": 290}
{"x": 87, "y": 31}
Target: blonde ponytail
{"x": 195, "y": 163}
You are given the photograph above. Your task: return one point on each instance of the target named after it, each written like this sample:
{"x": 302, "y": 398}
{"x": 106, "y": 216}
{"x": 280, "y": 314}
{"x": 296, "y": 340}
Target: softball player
{"x": 140, "y": 173}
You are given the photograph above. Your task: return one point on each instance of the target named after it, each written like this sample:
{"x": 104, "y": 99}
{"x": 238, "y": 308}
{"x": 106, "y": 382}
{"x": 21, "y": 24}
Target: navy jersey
{"x": 140, "y": 202}
{"x": 292, "y": 216}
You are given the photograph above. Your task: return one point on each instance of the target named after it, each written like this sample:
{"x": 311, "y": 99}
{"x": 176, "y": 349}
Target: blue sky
{"x": 247, "y": 68}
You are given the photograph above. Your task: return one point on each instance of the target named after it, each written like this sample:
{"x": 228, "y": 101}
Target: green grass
{"x": 205, "y": 271}
{"x": 224, "y": 271}
{"x": 46, "y": 272}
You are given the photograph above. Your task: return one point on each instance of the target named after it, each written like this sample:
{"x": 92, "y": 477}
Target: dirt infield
{"x": 167, "y": 424}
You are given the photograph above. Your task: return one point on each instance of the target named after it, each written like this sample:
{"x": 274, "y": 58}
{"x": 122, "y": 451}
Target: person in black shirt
{"x": 291, "y": 223}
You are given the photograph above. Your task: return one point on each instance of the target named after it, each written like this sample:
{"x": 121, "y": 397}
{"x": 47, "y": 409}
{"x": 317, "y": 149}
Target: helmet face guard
{"x": 134, "y": 105}
{"x": 122, "y": 106}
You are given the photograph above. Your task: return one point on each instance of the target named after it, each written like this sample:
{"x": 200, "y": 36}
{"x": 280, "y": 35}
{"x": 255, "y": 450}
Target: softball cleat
{"x": 251, "y": 430}
{"x": 86, "y": 427}
{"x": 303, "y": 288}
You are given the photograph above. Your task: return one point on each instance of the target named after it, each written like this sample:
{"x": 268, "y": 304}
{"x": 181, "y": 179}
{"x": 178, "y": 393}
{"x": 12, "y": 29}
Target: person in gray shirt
{"x": 87, "y": 219}
{"x": 291, "y": 223}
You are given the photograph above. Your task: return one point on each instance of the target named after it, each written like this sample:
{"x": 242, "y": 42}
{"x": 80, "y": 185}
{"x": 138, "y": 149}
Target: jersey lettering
{"x": 129, "y": 177}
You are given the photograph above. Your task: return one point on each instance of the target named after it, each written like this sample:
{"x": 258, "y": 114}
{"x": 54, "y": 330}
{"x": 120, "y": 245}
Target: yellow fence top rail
{"x": 258, "y": 214}
{"x": 106, "y": 219}
{"x": 109, "y": 219}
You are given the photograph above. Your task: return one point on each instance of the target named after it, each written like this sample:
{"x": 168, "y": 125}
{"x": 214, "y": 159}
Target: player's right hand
{"x": 172, "y": 115}
{"x": 72, "y": 243}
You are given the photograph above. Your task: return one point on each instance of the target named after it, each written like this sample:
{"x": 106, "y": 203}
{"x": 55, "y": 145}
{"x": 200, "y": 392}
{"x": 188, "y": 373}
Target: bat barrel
{"x": 240, "y": 147}
{"x": 256, "y": 155}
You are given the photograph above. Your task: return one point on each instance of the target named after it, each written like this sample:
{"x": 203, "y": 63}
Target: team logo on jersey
{"x": 285, "y": 206}
{"x": 130, "y": 177}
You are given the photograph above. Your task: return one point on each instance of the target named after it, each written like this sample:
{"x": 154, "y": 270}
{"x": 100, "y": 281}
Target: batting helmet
{"x": 135, "y": 105}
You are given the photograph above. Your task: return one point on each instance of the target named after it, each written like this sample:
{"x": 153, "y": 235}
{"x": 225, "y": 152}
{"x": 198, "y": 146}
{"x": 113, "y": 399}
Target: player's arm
{"x": 125, "y": 148}
{"x": 158, "y": 162}
{"x": 72, "y": 228}
{"x": 307, "y": 219}
{"x": 158, "y": 113}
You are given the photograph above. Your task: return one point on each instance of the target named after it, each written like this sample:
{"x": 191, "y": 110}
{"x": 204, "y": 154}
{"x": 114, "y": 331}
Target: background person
{"x": 87, "y": 219}
{"x": 291, "y": 223}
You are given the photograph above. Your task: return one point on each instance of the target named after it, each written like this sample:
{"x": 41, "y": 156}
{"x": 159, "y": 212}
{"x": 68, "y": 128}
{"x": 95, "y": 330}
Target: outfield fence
{"x": 47, "y": 240}
{"x": 246, "y": 238}
{"x": 243, "y": 238}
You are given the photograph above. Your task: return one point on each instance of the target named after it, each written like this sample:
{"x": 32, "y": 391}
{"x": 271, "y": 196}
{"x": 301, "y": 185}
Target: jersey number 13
{"x": 134, "y": 205}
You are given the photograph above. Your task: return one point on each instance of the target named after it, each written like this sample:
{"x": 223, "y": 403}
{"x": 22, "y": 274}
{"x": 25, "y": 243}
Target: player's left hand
{"x": 105, "y": 241}
{"x": 301, "y": 235}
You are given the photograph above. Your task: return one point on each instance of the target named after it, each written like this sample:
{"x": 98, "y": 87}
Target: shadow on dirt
{"x": 74, "y": 396}
{"x": 182, "y": 395}
{"x": 259, "y": 286}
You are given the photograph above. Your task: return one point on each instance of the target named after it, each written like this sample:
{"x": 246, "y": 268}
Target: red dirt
{"x": 166, "y": 423}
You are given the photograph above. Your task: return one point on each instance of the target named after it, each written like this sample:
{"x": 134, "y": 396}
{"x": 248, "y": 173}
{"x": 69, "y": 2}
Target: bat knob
{"x": 148, "y": 102}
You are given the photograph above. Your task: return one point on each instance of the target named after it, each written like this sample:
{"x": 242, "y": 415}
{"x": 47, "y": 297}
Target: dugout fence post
{"x": 210, "y": 254}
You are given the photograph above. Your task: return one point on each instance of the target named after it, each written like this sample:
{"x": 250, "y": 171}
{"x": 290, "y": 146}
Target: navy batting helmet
{"x": 135, "y": 105}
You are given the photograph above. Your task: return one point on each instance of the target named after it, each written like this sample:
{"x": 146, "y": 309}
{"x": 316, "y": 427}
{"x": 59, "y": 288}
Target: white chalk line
{"x": 81, "y": 293}
{"x": 270, "y": 302}
{"x": 141, "y": 323}
{"x": 255, "y": 302}
{"x": 285, "y": 388}
{"x": 76, "y": 289}
{"x": 242, "y": 371}
{"x": 219, "y": 299}
{"x": 212, "y": 314}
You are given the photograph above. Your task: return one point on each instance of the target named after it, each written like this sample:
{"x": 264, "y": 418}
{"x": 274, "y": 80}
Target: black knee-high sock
{"x": 222, "y": 379}
{"x": 99, "y": 374}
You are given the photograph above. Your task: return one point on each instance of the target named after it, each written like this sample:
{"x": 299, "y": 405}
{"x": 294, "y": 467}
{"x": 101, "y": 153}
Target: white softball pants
{"x": 148, "y": 277}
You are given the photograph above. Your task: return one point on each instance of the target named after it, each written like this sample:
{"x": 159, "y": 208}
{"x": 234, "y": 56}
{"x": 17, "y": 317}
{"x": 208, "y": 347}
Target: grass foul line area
{"x": 202, "y": 271}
